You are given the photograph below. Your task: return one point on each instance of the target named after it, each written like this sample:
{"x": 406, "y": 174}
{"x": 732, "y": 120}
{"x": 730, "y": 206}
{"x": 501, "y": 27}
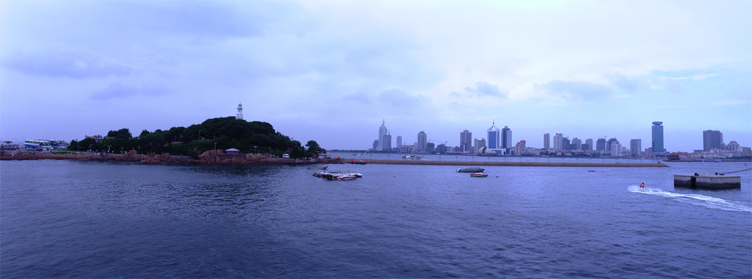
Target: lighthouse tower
{"x": 240, "y": 112}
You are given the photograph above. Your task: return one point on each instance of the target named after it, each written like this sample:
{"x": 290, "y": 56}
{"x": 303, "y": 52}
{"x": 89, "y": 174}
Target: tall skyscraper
{"x": 608, "y": 144}
{"x": 399, "y": 141}
{"x": 382, "y": 132}
{"x": 386, "y": 145}
{"x": 711, "y": 139}
{"x": 658, "y": 137}
{"x": 589, "y": 143}
{"x": 506, "y": 137}
{"x": 466, "y": 141}
{"x": 478, "y": 144}
{"x": 576, "y": 144}
{"x": 546, "y": 141}
{"x": 635, "y": 146}
{"x": 615, "y": 148}
{"x": 494, "y": 137}
{"x": 558, "y": 137}
{"x": 600, "y": 144}
{"x": 565, "y": 144}
{"x": 422, "y": 140}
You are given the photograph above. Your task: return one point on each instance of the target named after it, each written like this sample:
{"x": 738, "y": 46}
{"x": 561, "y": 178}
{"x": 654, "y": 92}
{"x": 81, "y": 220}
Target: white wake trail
{"x": 706, "y": 201}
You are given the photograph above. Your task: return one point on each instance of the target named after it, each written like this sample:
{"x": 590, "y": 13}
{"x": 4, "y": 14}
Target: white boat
{"x": 471, "y": 169}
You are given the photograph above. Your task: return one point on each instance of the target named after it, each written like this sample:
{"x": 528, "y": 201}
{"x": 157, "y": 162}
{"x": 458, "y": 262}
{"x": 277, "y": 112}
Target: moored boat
{"x": 318, "y": 168}
{"x": 471, "y": 169}
{"x": 478, "y": 174}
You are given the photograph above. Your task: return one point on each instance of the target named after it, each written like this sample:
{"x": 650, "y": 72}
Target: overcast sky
{"x": 331, "y": 71}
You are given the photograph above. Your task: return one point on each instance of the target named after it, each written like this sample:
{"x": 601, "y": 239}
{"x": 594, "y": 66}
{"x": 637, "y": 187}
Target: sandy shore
{"x": 521, "y": 164}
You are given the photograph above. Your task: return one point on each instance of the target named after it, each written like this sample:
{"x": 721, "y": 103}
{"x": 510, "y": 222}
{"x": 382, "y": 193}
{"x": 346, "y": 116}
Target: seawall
{"x": 510, "y": 164}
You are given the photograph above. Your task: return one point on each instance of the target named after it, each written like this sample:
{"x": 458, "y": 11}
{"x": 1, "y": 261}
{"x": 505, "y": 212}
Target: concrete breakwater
{"x": 519, "y": 164}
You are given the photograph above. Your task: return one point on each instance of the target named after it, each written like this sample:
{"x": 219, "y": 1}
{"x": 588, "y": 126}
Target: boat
{"x": 318, "y": 168}
{"x": 346, "y": 177}
{"x": 361, "y": 162}
{"x": 478, "y": 174}
{"x": 471, "y": 169}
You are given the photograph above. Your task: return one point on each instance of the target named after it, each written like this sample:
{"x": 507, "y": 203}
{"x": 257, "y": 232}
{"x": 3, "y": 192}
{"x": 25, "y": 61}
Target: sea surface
{"x": 91, "y": 219}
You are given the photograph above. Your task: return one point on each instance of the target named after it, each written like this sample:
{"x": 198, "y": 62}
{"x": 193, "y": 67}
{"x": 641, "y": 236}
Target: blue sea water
{"x": 90, "y": 219}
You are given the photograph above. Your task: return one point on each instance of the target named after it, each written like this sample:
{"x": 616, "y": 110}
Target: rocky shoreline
{"x": 208, "y": 157}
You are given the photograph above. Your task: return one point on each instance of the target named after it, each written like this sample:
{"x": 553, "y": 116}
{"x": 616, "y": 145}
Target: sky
{"x": 332, "y": 71}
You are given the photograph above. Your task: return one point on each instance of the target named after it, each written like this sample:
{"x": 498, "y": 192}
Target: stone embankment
{"x": 519, "y": 164}
{"x": 208, "y": 157}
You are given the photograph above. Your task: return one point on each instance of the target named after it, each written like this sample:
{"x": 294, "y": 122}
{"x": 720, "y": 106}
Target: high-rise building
{"x": 422, "y": 140}
{"x": 565, "y": 143}
{"x": 635, "y": 146}
{"x": 478, "y": 144}
{"x": 589, "y": 143}
{"x": 382, "y": 132}
{"x": 576, "y": 144}
{"x": 558, "y": 141}
{"x": 466, "y": 141}
{"x": 376, "y": 144}
{"x": 520, "y": 147}
{"x": 546, "y": 141}
{"x": 506, "y": 137}
{"x": 711, "y": 139}
{"x": 608, "y": 144}
{"x": 600, "y": 144}
{"x": 615, "y": 148}
{"x": 658, "y": 137}
{"x": 586, "y": 146}
{"x": 399, "y": 141}
{"x": 494, "y": 137}
{"x": 387, "y": 144}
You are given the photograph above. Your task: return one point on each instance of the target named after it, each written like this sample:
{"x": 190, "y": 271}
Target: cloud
{"x": 630, "y": 84}
{"x": 360, "y": 97}
{"x": 397, "y": 98}
{"x": 486, "y": 89}
{"x": 57, "y": 64}
{"x": 577, "y": 90}
{"x": 118, "y": 90}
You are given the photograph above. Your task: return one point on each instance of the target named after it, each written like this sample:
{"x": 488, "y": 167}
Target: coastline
{"x": 509, "y": 164}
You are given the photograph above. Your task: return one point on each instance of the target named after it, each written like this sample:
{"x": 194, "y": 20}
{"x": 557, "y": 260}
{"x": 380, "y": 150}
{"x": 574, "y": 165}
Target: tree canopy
{"x": 220, "y": 133}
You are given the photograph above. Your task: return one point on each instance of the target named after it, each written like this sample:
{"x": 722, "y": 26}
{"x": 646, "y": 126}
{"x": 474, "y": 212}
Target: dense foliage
{"x": 216, "y": 133}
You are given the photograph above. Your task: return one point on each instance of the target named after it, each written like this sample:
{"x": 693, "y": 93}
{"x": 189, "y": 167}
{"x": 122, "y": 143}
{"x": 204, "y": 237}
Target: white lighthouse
{"x": 240, "y": 112}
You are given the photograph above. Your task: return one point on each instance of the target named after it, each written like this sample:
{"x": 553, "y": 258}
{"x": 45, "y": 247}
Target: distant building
{"x": 608, "y": 144}
{"x": 558, "y": 141}
{"x": 733, "y": 146}
{"x": 478, "y": 144}
{"x": 711, "y": 139}
{"x": 466, "y": 141}
{"x": 506, "y": 137}
{"x": 576, "y": 144}
{"x": 382, "y": 132}
{"x": 615, "y": 148}
{"x": 658, "y": 137}
{"x": 240, "y": 112}
{"x": 376, "y": 144}
{"x": 494, "y": 137}
{"x": 422, "y": 140}
{"x": 635, "y": 146}
{"x": 565, "y": 143}
{"x": 600, "y": 144}
{"x": 441, "y": 149}
{"x": 588, "y": 144}
{"x": 387, "y": 144}
{"x": 546, "y": 141}
{"x": 520, "y": 147}
{"x": 399, "y": 141}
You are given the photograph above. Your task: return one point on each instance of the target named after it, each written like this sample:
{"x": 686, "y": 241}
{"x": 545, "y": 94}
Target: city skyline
{"x": 317, "y": 69}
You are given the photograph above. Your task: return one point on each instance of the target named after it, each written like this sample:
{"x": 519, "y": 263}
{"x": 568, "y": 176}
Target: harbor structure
{"x": 657, "y": 134}
{"x": 707, "y": 181}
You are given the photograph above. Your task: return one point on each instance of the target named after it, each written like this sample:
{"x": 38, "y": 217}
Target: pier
{"x": 707, "y": 181}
